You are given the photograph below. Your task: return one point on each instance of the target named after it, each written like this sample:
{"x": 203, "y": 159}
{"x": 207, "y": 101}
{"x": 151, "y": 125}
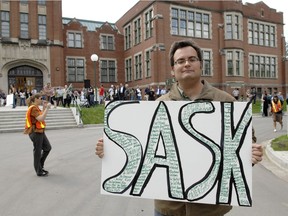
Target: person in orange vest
{"x": 276, "y": 109}
{"x": 35, "y": 128}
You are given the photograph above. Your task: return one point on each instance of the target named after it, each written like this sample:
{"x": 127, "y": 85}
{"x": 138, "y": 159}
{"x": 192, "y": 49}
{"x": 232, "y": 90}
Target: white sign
{"x": 9, "y": 99}
{"x": 179, "y": 150}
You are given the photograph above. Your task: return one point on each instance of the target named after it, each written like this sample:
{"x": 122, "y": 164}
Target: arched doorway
{"x": 26, "y": 78}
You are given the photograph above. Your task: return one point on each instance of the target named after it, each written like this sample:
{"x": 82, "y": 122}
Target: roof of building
{"x": 91, "y": 25}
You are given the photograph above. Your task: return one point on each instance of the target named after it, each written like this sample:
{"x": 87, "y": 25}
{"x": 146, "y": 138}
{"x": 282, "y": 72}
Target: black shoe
{"x": 43, "y": 173}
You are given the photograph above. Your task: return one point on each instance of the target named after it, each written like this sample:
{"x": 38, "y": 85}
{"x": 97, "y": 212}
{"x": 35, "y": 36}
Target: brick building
{"x": 243, "y": 45}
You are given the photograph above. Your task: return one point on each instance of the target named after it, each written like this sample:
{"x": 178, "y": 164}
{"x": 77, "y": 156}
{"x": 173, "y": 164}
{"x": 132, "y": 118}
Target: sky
{"x": 112, "y": 10}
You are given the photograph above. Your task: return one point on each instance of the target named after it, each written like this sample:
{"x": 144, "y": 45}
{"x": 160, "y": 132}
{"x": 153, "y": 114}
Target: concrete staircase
{"x": 13, "y": 120}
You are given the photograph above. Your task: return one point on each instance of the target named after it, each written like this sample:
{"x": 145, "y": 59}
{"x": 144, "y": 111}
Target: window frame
{"x": 24, "y": 25}
{"x": 234, "y": 61}
{"x": 42, "y": 27}
{"x": 5, "y": 24}
{"x": 190, "y": 22}
{"x": 138, "y": 63}
{"x": 78, "y": 70}
{"x": 107, "y": 42}
{"x": 128, "y": 37}
{"x": 128, "y": 70}
{"x": 262, "y": 33}
{"x": 137, "y": 27}
{"x": 207, "y": 69}
{"x": 148, "y": 63}
{"x": 149, "y": 23}
{"x": 111, "y": 71}
{"x": 73, "y": 42}
{"x": 258, "y": 62}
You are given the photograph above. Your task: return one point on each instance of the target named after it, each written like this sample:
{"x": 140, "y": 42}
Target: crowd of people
{"x": 123, "y": 92}
{"x": 271, "y": 104}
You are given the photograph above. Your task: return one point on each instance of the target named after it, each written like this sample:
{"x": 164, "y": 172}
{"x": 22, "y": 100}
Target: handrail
{"x": 79, "y": 113}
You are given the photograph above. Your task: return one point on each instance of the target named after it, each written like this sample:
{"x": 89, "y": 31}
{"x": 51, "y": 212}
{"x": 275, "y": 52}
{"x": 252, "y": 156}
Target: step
{"x": 20, "y": 129}
{"x": 14, "y": 120}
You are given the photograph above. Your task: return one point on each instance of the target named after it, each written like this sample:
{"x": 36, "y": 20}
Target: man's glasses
{"x": 190, "y": 60}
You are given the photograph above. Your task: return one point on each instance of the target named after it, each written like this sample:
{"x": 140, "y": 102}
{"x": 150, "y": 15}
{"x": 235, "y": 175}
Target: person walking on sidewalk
{"x": 186, "y": 62}
{"x": 276, "y": 109}
{"x": 35, "y": 128}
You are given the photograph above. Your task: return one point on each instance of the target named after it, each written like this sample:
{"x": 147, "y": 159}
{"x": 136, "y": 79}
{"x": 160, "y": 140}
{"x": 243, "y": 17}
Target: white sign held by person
{"x": 179, "y": 150}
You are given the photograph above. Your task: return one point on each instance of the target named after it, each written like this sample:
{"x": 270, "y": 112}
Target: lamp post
{"x": 94, "y": 58}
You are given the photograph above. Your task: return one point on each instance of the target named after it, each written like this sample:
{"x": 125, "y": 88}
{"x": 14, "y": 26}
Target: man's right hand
{"x": 99, "y": 150}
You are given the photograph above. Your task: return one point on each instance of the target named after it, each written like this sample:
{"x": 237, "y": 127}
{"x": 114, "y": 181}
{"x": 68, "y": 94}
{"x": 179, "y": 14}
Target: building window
{"x": 187, "y": 22}
{"x": 127, "y": 37}
{"x": 128, "y": 70}
{"x": 41, "y": 2}
{"x": 262, "y": 34}
{"x": 108, "y": 70}
{"x": 107, "y": 42}
{"x": 5, "y": 24}
{"x": 138, "y": 66}
{"x": 75, "y": 69}
{"x": 24, "y": 25}
{"x": 24, "y": 1}
{"x": 137, "y": 31}
{"x": 148, "y": 23}
{"x": 233, "y": 26}
{"x": 75, "y": 40}
{"x": 148, "y": 63}
{"x": 262, "y": 66}
{"x": 207, "y": 63}
{"x": 234, "y": 63}
{"x": 42, "y": 27}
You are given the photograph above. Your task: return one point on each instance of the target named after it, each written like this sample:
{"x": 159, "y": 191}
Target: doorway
{"x": 26, "y": 78}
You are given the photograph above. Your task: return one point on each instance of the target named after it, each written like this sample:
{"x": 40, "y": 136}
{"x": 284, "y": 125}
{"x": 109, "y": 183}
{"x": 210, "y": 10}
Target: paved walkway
{"x": 279, "y": 158}
{"x": 75, "y": 178}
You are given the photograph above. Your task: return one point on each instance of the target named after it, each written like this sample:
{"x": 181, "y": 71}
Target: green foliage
{"x": 256, "y": 108}
{"x": 280, "y": 143}
{"x": 93, "y": 115}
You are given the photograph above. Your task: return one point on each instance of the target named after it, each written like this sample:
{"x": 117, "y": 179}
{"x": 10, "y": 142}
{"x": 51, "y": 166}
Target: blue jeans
{"x": 22, "y": 101}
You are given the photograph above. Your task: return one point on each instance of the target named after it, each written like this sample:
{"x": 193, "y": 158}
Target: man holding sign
{"x": 186, "y": 62}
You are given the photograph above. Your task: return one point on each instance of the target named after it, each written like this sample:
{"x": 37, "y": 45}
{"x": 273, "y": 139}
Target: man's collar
{"x": 182, "y": 92}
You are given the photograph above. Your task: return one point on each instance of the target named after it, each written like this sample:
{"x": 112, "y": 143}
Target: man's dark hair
{"x": 181, "y": 44}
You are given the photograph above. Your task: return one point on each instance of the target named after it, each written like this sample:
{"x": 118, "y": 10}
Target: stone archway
{"x": 25, "y": 78}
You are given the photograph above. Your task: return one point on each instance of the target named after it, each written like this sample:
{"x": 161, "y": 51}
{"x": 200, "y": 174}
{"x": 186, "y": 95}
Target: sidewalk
{"x": 279, "y": 158}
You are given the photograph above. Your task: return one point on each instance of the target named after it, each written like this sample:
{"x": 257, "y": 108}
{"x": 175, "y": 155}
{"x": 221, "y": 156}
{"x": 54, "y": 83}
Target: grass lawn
{"x": 280, "y": 143}
{"x": 93, "y": 115}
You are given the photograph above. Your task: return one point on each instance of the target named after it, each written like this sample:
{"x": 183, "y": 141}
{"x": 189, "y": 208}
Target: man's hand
{"x": 99, "y": 150}
{"x": 257, "y": 153}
